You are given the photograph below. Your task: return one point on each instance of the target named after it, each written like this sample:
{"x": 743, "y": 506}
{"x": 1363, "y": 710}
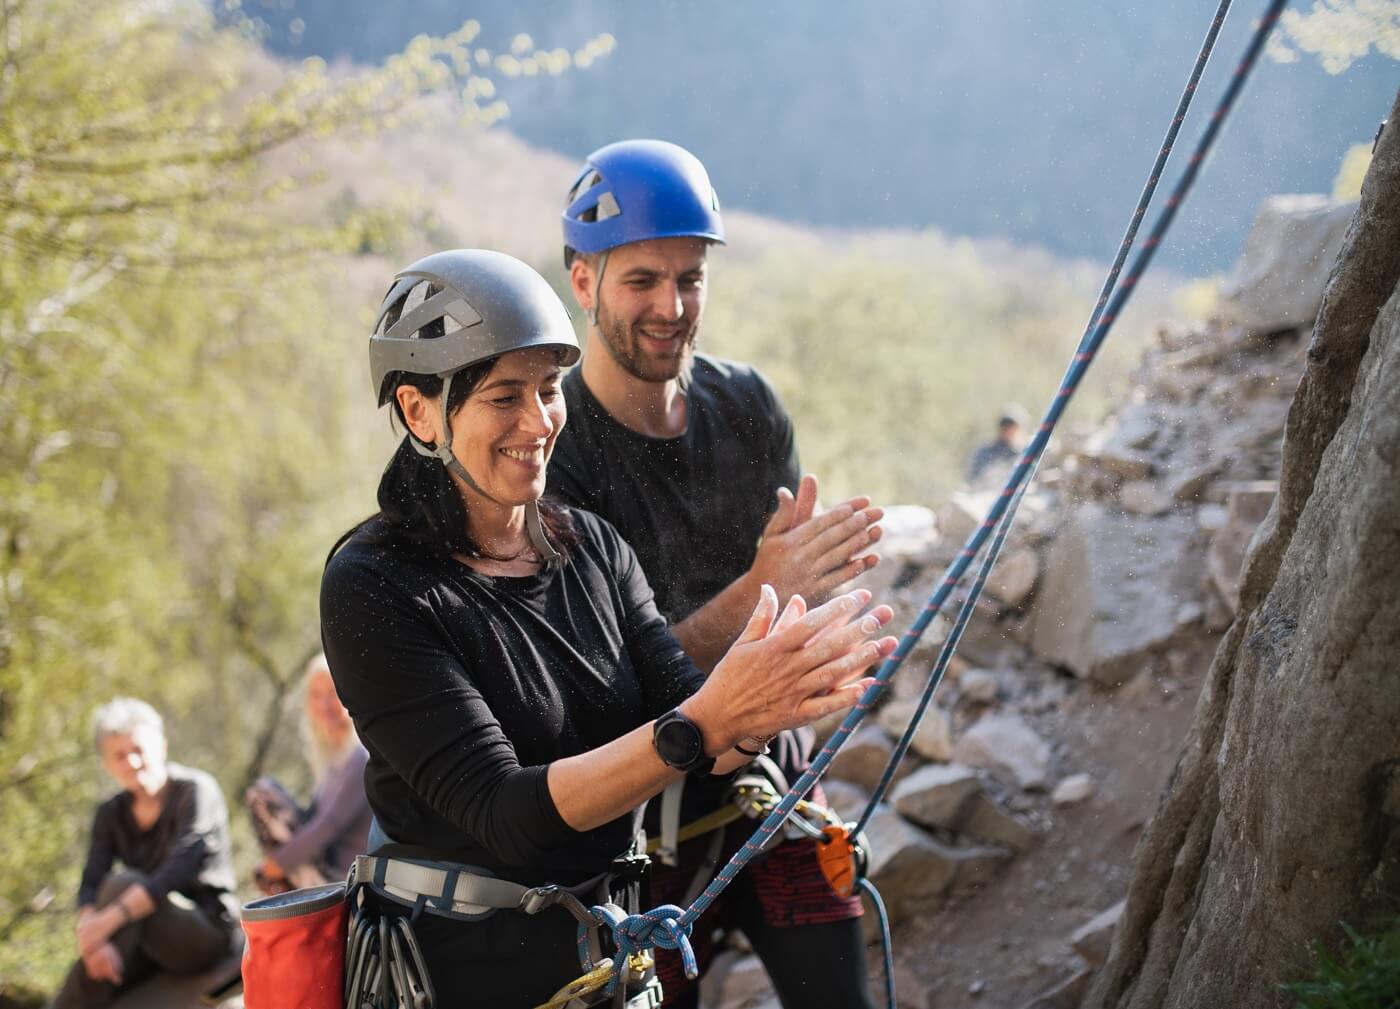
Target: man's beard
{"x": 624, "y": 346}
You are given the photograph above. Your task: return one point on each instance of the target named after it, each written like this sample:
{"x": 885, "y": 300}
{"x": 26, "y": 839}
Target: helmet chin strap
{"x": 592, "y": 313}
{"x": 534, "y": 527}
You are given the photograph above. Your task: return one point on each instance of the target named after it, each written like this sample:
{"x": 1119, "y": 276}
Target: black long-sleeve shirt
{"x": 186, "y": 850}
{"x": 693, "y": 506}
{"x": 464, "y": 687}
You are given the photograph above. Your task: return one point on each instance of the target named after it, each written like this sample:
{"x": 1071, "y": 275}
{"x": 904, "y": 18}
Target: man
{"x": 170, "y": 906}
{"x": 991, "y": 461}
{"x": 694, "y": 460}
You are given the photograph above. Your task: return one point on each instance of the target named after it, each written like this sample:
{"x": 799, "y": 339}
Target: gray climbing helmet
{"x": 459, "y": 308}
{"x": 454, "y": 309}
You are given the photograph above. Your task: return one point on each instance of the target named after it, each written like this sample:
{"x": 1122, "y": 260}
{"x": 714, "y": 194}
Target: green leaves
{"x": 896, "y": 353}
{"x": 1364, "y": 974}
{"x": 175, "y": 368}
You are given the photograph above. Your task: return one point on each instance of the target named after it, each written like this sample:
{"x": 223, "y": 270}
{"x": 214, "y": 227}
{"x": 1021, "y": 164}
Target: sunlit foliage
{"x": 896, "y": 356}
{"x": 172, "y": 391}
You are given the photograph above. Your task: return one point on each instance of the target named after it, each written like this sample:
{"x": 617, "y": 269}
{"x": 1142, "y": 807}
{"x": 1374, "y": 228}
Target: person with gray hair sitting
{"x": 171, "y": 905}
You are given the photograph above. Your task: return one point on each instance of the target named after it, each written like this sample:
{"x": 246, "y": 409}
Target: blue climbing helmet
{"x": 635, "y": 190}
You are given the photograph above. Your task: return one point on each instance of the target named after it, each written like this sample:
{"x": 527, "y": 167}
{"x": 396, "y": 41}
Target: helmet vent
{"x": 586, "y": 181}
{"x": 416, "y": 296}
{"x": 607, "y": 207}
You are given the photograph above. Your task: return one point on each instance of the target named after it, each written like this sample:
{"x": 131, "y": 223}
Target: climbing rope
{"x": 969, "y": 603}
{"x": 668, "y": 927}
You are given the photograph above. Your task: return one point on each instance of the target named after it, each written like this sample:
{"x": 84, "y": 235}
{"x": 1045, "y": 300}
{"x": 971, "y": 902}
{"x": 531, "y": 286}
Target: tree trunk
{"x": 1282, "y": 817}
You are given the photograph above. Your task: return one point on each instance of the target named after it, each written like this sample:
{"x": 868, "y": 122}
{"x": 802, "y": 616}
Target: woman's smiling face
{"x": 505, "y": 431}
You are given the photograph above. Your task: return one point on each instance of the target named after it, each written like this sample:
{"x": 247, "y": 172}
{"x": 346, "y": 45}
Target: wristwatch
{"x": 679, "y": 744}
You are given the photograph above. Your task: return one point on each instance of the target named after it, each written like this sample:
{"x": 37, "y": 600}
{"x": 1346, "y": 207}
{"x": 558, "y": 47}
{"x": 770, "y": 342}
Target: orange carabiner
{"x": 836, "y": 855}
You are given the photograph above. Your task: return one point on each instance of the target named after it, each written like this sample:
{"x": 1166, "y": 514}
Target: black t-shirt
{"x": 694, "y": 506}
{"x": 186, "y": 850}
{"x": 464, "y": 687}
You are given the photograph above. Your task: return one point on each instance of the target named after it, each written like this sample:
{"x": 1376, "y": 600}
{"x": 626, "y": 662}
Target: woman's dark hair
{"x": 420, "y": 505}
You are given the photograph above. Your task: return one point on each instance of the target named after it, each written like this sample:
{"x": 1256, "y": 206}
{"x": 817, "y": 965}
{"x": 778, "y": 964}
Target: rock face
{"x": 1278, "y": 282}
{"x": 1113, "y": 587}
{"x": 1273, "y": 829}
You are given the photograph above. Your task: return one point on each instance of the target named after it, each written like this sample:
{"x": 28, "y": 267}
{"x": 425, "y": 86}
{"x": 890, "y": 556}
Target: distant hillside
{"x": 1021, "y": 119}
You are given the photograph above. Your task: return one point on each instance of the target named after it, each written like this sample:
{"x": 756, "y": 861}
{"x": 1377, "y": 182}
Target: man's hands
{"x": 104, "y": 964}
{"x": 812, "y": 554}
{"x": 100, "y": 958}
{"x": 790, "y": 669}
{"x": 803, "y": 553}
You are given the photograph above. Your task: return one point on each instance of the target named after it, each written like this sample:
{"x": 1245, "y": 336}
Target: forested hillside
{"x": 1026, "y": 120}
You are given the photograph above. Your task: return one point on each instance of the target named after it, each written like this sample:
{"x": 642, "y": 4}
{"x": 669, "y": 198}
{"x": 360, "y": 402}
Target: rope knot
{"x": 663, "y": 927}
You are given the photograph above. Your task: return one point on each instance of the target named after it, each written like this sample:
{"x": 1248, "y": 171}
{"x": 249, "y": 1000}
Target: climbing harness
{"x": 384, "y": 965}
{"x": 668, "y": 927}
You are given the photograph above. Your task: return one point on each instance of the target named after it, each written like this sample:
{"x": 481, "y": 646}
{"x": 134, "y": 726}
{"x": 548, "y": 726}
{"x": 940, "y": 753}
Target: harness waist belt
{"x": 456, "y": 890}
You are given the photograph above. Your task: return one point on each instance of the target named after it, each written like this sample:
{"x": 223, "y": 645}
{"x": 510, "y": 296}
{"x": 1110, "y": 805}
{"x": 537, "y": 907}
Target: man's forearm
{"x": 711, "y": 630}
{"x": 132, "y": 904}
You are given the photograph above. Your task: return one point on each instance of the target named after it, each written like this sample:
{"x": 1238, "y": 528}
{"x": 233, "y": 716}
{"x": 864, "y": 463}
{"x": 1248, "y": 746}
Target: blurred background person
{"x": 992, "y": 461}
{"x": 171, "y": 905}
{"x": 306, "y": 847}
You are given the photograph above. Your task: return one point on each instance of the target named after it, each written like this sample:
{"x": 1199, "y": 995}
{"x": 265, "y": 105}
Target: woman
{"x": 506, "y": 668}
{"x": 307, "y": 847}
{"x": 171, "y": 906}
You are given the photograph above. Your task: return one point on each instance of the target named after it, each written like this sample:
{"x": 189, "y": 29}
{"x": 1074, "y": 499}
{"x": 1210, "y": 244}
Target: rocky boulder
{"x": 1093, "y": 939}
{"x": 1246, "y": 505}
{"x": 935, "y": 795}
{"x": 1006, "y": 745}
{"x": 1278, "y": 282}
{"x": 933, "y": 739}
{"x": 1113, "y": 590}
{"x": 863, "y": 757}
{"x": 911, "y": 869}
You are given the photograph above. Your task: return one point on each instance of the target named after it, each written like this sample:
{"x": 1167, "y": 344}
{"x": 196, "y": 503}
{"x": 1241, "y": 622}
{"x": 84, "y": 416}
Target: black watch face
{"x": 678, "y": 742}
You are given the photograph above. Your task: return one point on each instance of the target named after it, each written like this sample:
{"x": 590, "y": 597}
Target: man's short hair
{"x": 591, "y": 258}
{"x": 121, "y": 716}
{"x": 1013, "y": 413}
